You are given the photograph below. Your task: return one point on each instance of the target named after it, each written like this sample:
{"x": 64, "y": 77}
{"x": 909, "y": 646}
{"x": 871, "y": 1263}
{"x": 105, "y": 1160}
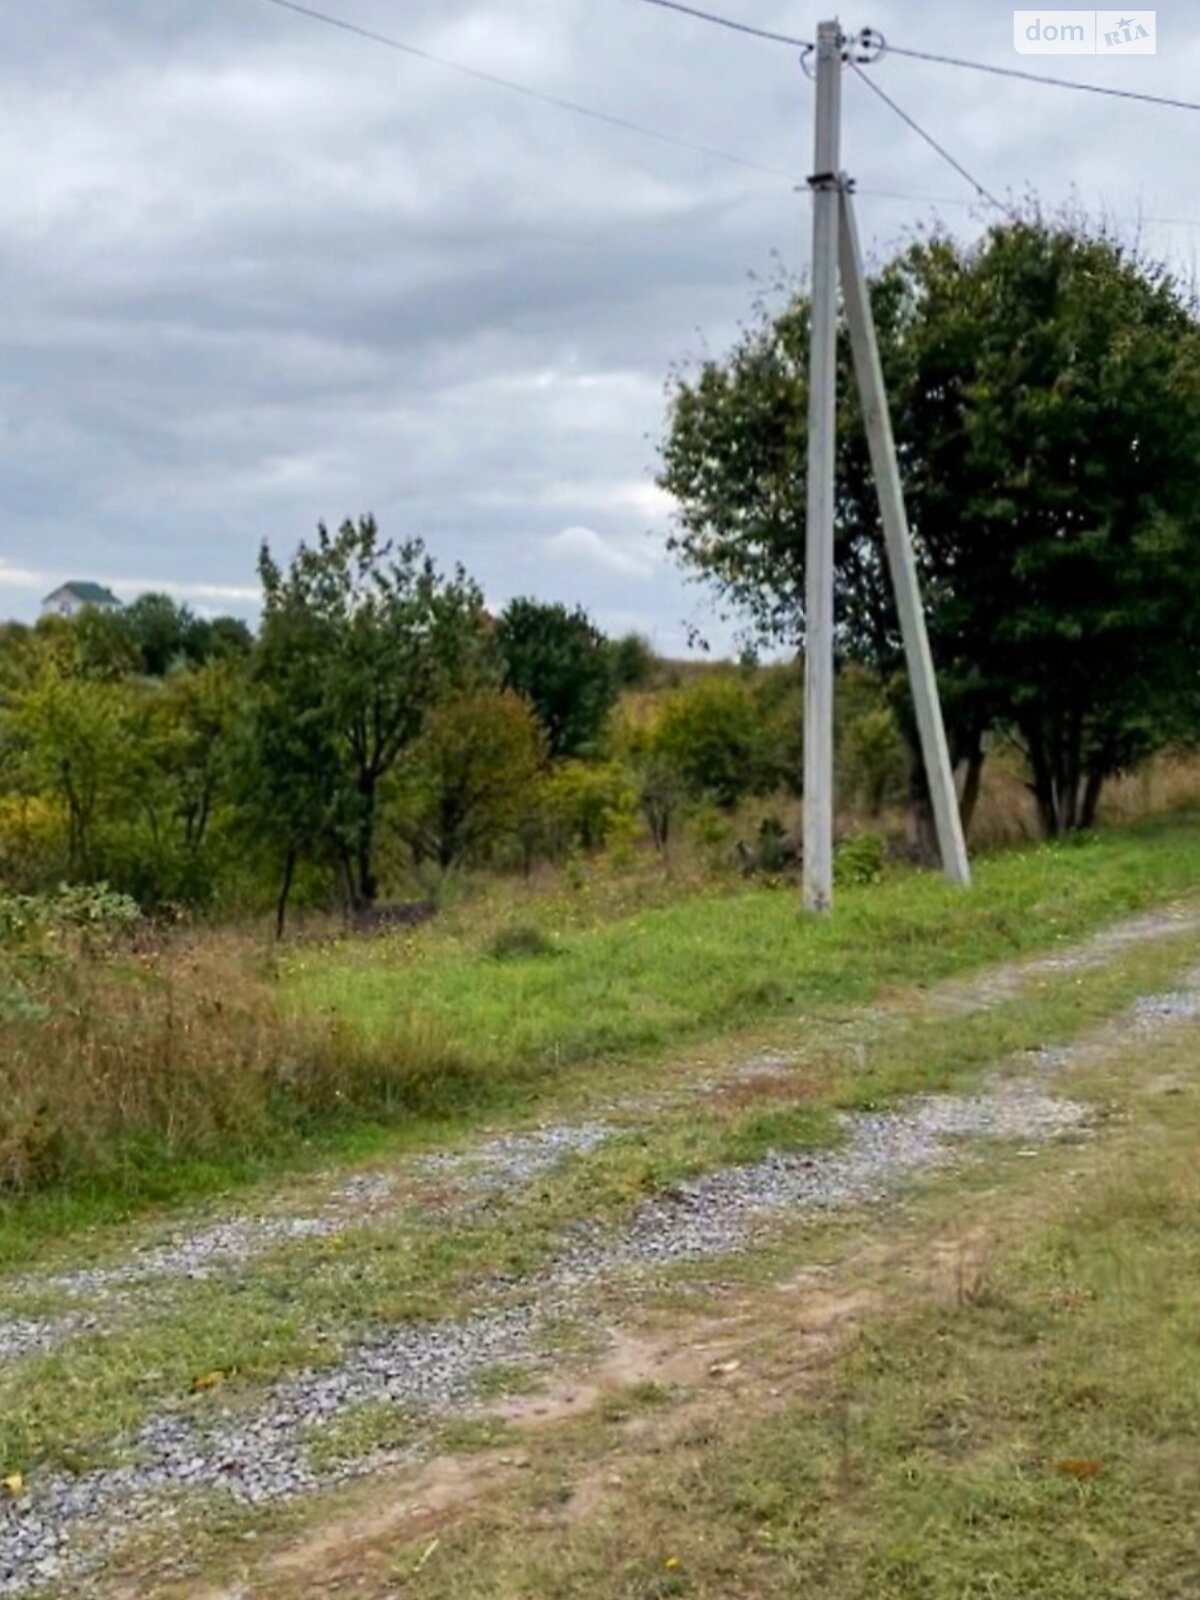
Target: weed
{"x": 362, "y": 1431}
{"x": 122, "y": 1063}
{"x": 520, "y": 940}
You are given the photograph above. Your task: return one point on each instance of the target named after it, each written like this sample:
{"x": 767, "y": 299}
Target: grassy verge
{"x": 710, "y": 965}
{"x": 140, "y": 1083}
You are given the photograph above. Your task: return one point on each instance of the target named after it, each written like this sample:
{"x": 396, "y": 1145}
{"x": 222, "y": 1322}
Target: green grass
{"x": 363, "y": 1431}
{"x": 710, "y": 965}
{"x": 500, "y": 1038}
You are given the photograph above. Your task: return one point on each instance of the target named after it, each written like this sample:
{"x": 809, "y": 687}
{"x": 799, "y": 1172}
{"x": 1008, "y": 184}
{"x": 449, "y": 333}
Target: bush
{"x": 872, "y": 763}
{"x": 33, "y": 841}
{"x": 583, "y": 803}
{"x": 465, "y": 788}
{"x": 712, "y": 733}
{"x": 860, "y": 859}
{"x": 91, "y": 912}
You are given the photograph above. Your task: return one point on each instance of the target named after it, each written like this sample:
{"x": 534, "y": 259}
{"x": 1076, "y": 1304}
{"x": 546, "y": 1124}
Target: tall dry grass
{"x": 117, "y": 1062}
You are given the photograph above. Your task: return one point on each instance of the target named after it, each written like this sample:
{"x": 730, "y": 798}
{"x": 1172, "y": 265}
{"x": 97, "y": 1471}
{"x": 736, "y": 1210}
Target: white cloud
{"x": 23, "y": 578}
{"x": 593, "y": 550}
{"x": 40, "y": 581}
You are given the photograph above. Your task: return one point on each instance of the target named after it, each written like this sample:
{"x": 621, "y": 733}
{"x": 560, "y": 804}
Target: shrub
{"x": 466, "y": 787}
{"x": 584, "y": 801}
{"x": 33, "y": 841}
{"x": 872, "y": 764}
{"x": 860, "y": 859}
{"x": 712, "y": 734}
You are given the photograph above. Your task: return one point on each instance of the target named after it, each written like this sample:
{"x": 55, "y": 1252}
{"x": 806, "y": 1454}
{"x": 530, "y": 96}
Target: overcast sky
{"x": 258, "y": 273}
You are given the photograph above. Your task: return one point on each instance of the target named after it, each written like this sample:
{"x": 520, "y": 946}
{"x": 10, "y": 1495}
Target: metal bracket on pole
{"x": 922, "y": 681}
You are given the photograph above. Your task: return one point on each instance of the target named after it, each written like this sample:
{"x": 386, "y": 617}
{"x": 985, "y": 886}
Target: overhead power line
{"x": 730, "y": 23}
{"x": 595, "y": 114}
{"x": 929, "y": 139}
{"x": 1040, "y": 77}
{"x": 557, "y": 101}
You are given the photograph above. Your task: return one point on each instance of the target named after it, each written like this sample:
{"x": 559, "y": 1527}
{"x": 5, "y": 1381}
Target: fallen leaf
{"x": 14, "y": 1484}
{"x": 671, "y": 1563}
{"x": 1079, "y": 1469}
{"x": 208, "y": 1380}
{"x": 722, "y": 1369}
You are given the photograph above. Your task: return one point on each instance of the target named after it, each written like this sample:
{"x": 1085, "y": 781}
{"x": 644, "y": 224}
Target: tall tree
{"x": 561, "y": 662}
{"x": 359, "y": 639}
{"x": 1045, "y": 391}
{"x": 73, "y": 737}
{"x": 166, "y": 633}
{"x": 467, "y": 787}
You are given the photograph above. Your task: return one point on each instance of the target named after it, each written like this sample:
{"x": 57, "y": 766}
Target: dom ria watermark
{"x": 1085, "y": 33}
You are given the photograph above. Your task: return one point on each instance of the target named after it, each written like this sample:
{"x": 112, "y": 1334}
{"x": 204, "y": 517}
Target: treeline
{"x": 381, "y": 726}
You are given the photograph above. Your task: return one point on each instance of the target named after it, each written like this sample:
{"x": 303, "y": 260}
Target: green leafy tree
{"x": 185, "y": 738}
{"x": 465, "y": 787}
{"x": 711, "y": 734}
{"x": 160, "y": 629}
{"x": 561, "y": 662}
{"x": 73, "y": 737}
{"x": 1045, "y": 391}
{"x": 360, "y": 639}
{"x": 167, "y": 634}
{"x": 100, "y": 644}
{"x": 287, "y": 768}
{"x": 633, "y": 661}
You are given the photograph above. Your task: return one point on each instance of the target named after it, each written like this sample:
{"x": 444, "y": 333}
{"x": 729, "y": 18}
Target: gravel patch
{"x": 27, "y": 1336}
{"x": 717, "y": 1213}
{"x": 261, "y": 1455}
{"x": 1003, "y": 983}
{"x": 1180, "y": 1005}
{"x": 254, "y": 1458}
{"x": 511, "y": 1159}
{"x": 193, "y": 1256}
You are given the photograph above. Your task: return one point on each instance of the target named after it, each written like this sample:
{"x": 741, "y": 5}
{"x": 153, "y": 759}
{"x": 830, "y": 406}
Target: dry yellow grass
{"x": 115, "y": 1060}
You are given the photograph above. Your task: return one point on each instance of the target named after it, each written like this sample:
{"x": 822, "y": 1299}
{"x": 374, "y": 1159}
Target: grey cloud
{"x": 257, "y": 273}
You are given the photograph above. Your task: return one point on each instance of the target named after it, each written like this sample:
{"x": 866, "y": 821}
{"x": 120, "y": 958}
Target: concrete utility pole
{"x": 903, "y": 566}
{"x": 822, "y": 405}
{"x": 835, "y": 235}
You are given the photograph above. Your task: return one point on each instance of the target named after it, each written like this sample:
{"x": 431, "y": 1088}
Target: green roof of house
{"x": 92, "y": 594}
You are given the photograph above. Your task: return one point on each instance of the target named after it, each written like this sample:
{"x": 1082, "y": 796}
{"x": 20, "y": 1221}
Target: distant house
{"x": 69, "y": 599}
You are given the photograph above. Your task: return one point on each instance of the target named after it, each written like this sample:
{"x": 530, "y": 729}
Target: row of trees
{"x": 1045, "y": 394}
{"x": 381, "y": 720}
{"x": 1045, "y": 386}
